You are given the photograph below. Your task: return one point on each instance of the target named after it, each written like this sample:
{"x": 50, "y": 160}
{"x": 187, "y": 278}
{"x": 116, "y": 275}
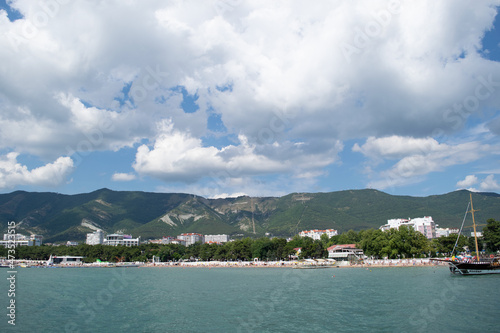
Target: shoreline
{"x": 246, "y": 264}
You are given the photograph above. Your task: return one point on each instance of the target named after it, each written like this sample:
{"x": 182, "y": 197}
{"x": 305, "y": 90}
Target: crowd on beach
{"x": 296, "y": 263}
{"x": 256, "y": 263}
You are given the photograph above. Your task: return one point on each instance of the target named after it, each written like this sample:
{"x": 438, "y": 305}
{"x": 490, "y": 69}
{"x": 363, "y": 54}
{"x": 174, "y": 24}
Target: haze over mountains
{"x": 61, "y": 217}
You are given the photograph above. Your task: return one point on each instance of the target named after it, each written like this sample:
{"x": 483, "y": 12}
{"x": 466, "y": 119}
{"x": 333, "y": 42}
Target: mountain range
{"x": 60, "y": 217}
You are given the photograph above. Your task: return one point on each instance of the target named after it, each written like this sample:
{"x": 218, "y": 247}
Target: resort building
{"x": 168, "y": 240}
{"x": 95, "y": 238}
{"x": 65, "y": 260}
{"x": 21, "y": 240}
{"x": 219, "y": 239}
{"x": 316, "y": 234}
{"x": 119, "y": 239}
{"x": 298, "y": 251}
{"x": 345, "y": 252}
{"x": 424, "y": 225}
{"x": 446, "y": 232}
{"x": 191, "y": 238}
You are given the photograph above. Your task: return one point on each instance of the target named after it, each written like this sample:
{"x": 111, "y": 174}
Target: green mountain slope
{"x": 152, "y": 215}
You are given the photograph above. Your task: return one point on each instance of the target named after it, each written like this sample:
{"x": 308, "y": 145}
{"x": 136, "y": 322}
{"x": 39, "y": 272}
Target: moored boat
{"x": 472, "y": 265}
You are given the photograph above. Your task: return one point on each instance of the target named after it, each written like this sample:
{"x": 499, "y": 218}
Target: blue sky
{"x": 223, "y": 98}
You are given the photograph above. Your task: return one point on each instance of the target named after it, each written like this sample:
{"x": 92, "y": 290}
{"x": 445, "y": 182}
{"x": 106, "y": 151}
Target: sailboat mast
{"x": 474, "y": 225}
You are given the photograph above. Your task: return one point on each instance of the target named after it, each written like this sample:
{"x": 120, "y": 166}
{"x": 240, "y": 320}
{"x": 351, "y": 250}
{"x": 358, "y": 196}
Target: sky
{"x": 263, "y": 98}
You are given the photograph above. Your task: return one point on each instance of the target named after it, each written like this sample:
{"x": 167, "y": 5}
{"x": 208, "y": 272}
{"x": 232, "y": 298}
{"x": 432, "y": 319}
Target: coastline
{"x": 370, "y": 263}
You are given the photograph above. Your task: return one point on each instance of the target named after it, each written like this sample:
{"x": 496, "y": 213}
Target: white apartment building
{"x": 446, "y": 232}
{"x": 119, "y": 239}
{"x": 169, "y": 240}
{"x": 21, "y": 240}
{"x": 316, "y": 234}
{"x": 424, "y": 225}
{"x": 219, "y": 239}
{"x": 95, "y": 238}
{"x": 191, "y": 238}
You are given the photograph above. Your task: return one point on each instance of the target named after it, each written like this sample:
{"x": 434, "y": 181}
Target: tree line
{"x": 404, "y": 242}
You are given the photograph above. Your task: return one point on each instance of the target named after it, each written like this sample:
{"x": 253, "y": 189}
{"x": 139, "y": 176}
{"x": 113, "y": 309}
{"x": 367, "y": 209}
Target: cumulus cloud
{"x": 394, "y": 147}
{"x": 123, "y": 177}
{"x": 288, "y": 82}
{"x": 417, "y": 157}
{"x": 468, "y": 182}
{"x": 489, "y": 184}
{"x": 14, "y": 174}
{"x": 177, "y": 156}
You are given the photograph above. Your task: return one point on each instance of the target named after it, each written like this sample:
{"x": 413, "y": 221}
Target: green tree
{"x": 491, "y": 235}
{"x": 444, "y": 244}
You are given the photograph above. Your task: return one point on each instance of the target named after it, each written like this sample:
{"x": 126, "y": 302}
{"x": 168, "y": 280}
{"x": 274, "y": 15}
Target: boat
{"x": 472, "y": 265}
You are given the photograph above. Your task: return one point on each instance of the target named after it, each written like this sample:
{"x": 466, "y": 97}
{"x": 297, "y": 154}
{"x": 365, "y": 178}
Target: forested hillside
{"x": 61, "y": 217}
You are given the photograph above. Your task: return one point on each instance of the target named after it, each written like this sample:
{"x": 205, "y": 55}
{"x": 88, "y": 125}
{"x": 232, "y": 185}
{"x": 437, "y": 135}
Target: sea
{"x": 204, "y": 299}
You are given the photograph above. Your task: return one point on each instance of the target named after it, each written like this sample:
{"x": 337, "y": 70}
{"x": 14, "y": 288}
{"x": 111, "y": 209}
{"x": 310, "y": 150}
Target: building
{"x": 191, "y": 238}
{"x": 95, "y": 238}
{"x": 446, "y": 232}
{"x": 219, "y": 239}
{"x": 316, "y": 234}
{"x": 21, "y": 240}
{"x": 168, "y": 240}
{"x": 71, "y": 243}
{"x": 65, "y": 260}
{"x": 345, "y": 252}
{"x": 424, "y": 225}
{"x": 119, "y": 239}
{"x": 296, "y": 255}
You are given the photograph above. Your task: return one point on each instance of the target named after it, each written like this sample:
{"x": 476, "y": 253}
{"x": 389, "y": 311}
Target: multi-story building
{"x": 191, "y": 238}
{"x": 446, "y": 232}
{"x": 316, "y": 234}
{"x": 21, "y": 240}
{"x": 219, "y": 239}
{"x": 95, "y": 238}
{"x": 119, "y": 239}
{"x": 345, "y": 252}
{"x": 424, "y": 225}
{"x": 170, "y": 240}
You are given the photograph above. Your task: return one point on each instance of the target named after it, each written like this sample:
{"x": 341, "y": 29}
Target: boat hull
{"x": 473, "y": 268}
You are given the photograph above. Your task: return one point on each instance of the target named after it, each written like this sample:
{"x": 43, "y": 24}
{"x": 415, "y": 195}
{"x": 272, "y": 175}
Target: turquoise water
{"x": 412, "y": 299}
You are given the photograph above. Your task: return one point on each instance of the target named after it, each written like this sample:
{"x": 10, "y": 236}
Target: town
{"x": 398, "y": 239}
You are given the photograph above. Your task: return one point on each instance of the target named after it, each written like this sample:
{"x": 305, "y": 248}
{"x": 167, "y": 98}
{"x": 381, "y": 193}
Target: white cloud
{"x": 468, "y": 182}
{"x": 225, "y": 195}
{"x": 14, "y": 174}
{"x": 275, "y": 72}
{"x": 489, "y": 184}
{"x": 394, "y": 147}
{"x": 417, "y": 158}
{"x": 177, "y": 156}
{"x": 123, "y": 177}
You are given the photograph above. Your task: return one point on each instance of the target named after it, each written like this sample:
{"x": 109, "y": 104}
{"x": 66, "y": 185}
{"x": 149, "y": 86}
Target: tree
{"x": 445, "y": 244}
{"x": 491, "y": 235}
{"x": 407, "y": 242}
